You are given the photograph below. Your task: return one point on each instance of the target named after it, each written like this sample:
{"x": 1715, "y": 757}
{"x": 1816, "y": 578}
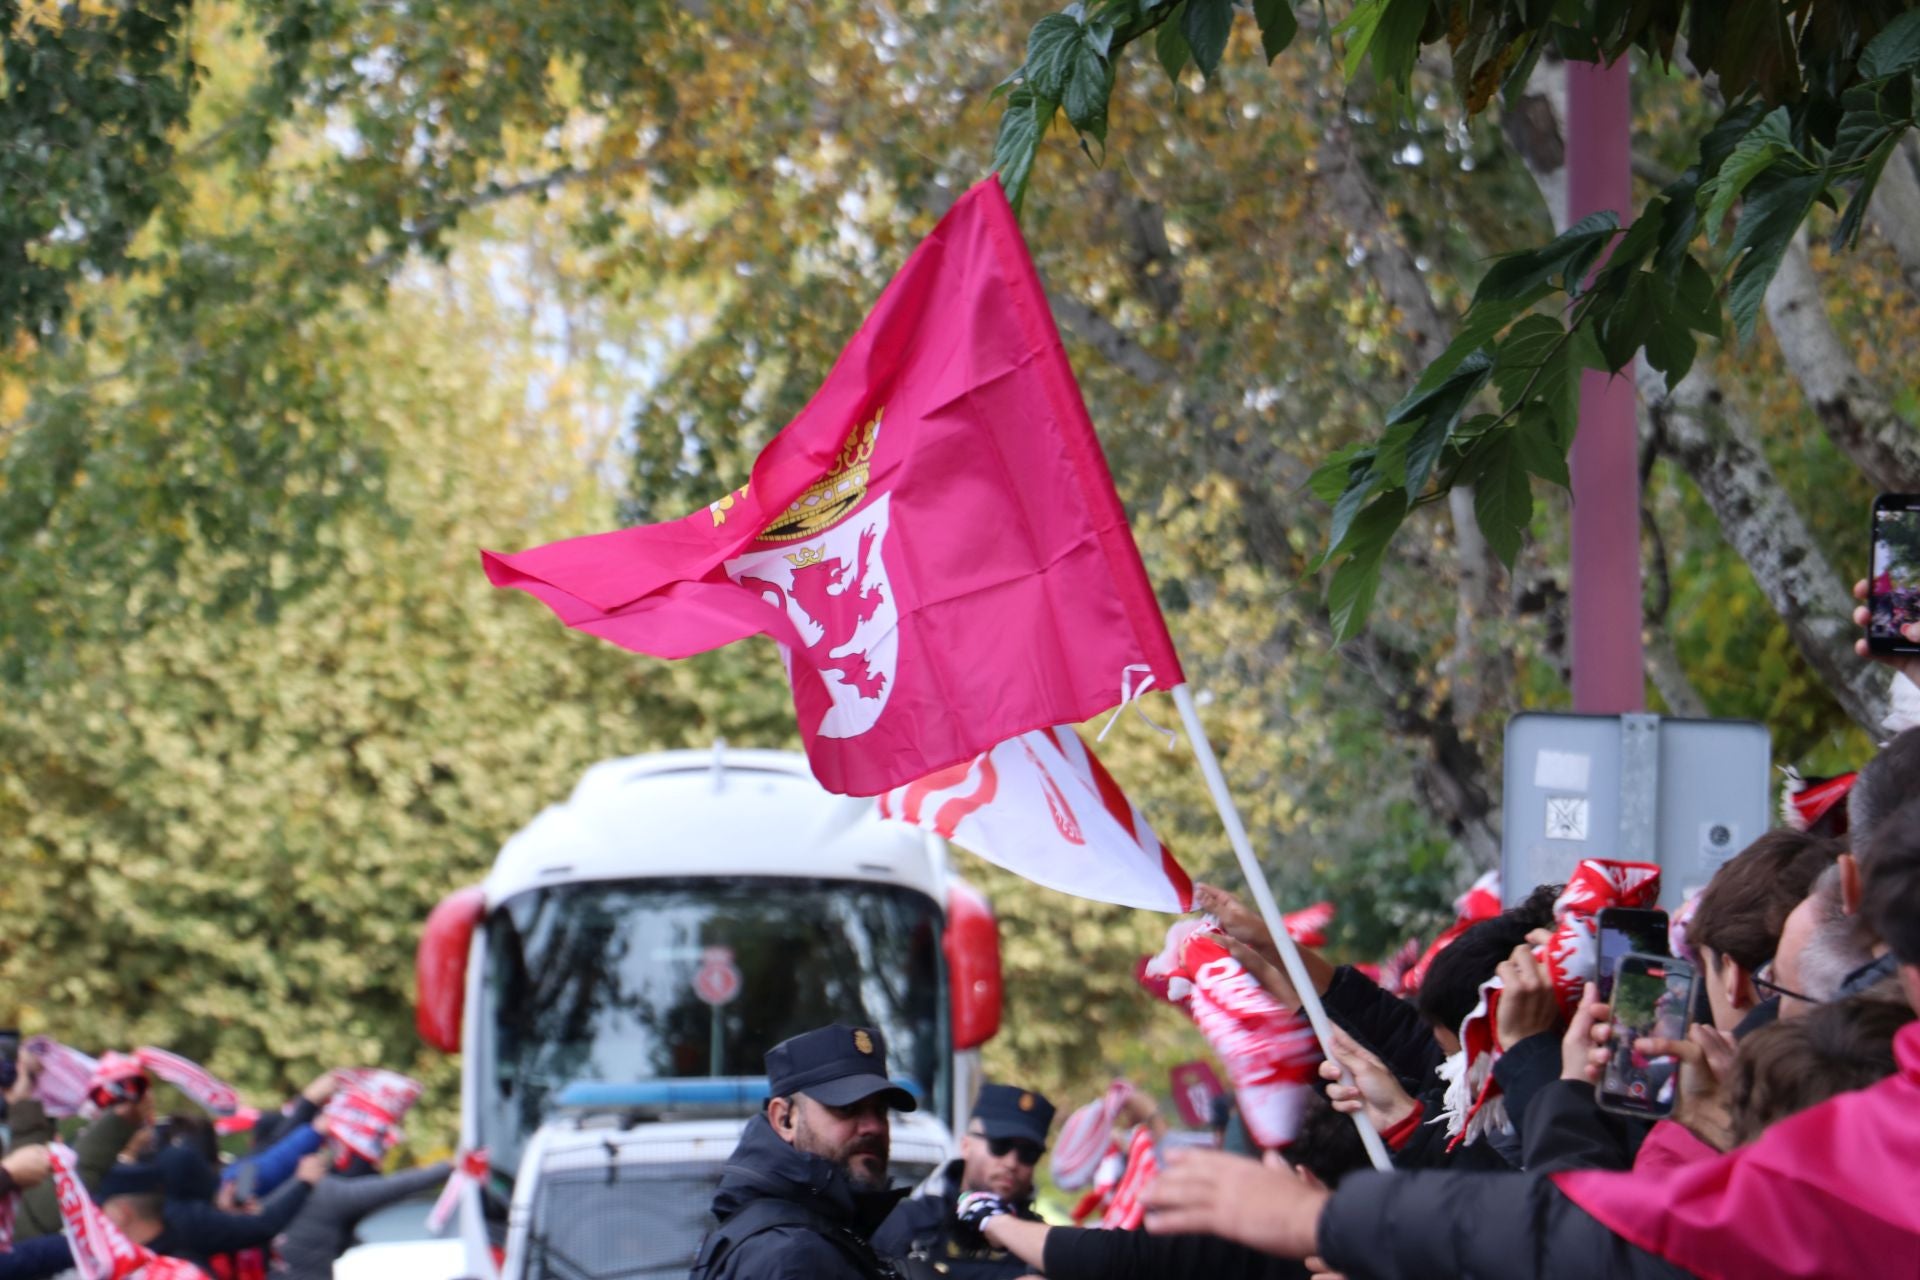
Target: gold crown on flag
{"x": 834, "y": 495}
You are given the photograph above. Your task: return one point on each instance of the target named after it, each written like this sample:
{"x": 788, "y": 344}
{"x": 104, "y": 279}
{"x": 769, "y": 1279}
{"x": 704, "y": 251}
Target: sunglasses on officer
{"x": 1025, "y": 1151}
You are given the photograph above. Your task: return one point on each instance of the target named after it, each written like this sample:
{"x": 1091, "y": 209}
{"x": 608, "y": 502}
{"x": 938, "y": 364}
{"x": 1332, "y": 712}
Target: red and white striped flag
{"x": 65, "y": 1075}
{"x": 1042, "y": 805}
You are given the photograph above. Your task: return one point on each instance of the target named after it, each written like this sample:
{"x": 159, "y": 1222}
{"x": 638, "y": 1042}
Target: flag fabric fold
{"x": 934, "y": 542}
{"x": 1043, "y": 806}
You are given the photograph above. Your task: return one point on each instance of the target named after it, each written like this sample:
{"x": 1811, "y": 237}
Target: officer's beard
{"x": 864, "y": 1158}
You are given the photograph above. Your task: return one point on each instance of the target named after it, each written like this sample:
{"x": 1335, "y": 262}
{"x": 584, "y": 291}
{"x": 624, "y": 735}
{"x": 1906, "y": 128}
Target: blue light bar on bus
{"x": 744, "y": 1093}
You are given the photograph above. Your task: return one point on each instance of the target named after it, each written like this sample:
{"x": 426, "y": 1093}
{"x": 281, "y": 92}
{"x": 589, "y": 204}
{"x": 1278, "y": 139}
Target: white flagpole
{"x": 1269, "y": 909}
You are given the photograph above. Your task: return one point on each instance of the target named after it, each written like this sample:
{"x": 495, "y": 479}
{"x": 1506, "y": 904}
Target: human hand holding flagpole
{"x": 1290, "y": 957}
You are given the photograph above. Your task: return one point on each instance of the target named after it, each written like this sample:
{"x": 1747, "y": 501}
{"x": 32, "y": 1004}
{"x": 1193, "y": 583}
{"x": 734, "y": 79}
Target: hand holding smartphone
{"x": 1652, "y": 999}
{"x": 1893, "y": 577}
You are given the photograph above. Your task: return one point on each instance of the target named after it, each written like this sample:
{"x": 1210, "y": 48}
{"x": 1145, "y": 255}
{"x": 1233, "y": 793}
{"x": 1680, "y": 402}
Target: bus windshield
{"x": 636, "y": 980}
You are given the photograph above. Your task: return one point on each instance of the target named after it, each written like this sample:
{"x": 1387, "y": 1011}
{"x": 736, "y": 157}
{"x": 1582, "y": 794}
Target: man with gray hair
{"x": 1820, "y": 946}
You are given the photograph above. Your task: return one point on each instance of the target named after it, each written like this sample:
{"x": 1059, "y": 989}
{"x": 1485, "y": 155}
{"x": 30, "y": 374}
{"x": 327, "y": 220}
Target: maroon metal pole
{"x": 1608, "y": 674}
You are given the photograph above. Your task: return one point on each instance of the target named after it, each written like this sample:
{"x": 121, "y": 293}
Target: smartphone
{"x": 1652, "y": 996}
{"x": 1893, "y": 579}
{"x": 1625, "y": 929}
{"x": 245, "y": 1179}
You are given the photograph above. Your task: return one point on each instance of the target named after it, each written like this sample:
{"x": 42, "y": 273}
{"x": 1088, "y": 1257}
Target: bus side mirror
{"x": 973, "y": 966}
{"x": 440, "y": 966}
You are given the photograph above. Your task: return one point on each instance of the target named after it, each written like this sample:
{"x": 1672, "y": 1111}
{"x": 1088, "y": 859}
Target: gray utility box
{"x": 1686, "y": 794}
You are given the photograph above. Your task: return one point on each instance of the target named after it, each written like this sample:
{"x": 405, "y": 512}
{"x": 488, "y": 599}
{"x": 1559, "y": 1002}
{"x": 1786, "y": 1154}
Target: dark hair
{"x": 1790, "y": 1065}
{"x": 1328, "y": 1143}
{"x": 145, "y": 1204}
{"x": 1884, "y": 784}
{"x": 1746, "y": 904}
{"x": 1890, "y": 866}
{"x": 1452, "y": 985}
{"x": 196, "y": 1133}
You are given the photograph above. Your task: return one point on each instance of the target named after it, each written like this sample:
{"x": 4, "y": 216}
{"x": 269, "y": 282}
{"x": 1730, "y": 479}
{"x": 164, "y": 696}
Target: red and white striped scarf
{"x": 210, "y": 1092}
{"x": 1128, "y": 1208}
{"x": 470, "y": 1170}
{"x": 101, "y": 1251}
{"x": 67, "y": 1076}
{"x": 364, "y": 1116}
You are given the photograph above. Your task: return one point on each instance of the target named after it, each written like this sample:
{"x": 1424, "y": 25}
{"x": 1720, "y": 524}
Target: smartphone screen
{"x": 1622, "y": 930}
{"x": 1652, "y": 996}
{"x": 1893, "y": 585}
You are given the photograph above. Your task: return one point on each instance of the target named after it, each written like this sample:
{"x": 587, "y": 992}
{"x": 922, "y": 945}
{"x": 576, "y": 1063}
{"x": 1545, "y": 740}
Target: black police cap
{"x": 838, "y": 1065}
{"x": 1007, "y": 1111}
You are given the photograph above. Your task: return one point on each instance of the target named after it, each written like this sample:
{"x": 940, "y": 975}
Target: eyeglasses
{"x": 1763, "y": 979}
{"x": 1022, "y": 1150}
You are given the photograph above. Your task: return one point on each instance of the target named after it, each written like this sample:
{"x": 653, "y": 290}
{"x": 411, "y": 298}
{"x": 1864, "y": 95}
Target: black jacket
{"x": 822, "y": 1227}
{"x": 196, "y": 1231}
{"x": 1092, "y": 1254}
{"x": 1428, "y": 1147}
{"x": 922, "y": 1226}
{"x": 1386, "y": 1024}
{"x": 1506, "y": 1226}
{"x": 1566, "y": 1130}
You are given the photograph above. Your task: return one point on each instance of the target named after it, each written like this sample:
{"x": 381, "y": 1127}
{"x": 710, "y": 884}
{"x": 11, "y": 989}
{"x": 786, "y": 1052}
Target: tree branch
{"x": 1714, "y": 444}
{"x": 1856, "y": 413}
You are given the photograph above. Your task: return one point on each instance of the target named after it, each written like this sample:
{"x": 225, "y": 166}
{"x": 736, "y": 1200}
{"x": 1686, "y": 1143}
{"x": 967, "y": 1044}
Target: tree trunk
{"x": 1705, "y": 433}
{"x": 1895, "y": 210}
{"x": 1858, "y": 417}
{"x": 1357, "y": 207}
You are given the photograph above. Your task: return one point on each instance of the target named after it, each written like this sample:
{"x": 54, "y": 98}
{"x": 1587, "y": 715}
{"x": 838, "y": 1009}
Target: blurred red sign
{"x": 1195, "y": 1086}
{"x": 717, "y": 980}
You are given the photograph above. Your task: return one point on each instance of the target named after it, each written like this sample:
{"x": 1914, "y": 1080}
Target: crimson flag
{"x": 935, "y": 541}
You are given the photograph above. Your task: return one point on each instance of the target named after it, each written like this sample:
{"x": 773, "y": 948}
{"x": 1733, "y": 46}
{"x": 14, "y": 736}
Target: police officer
{"x": 1004, "y": 1141}
{"x": 807, "y": 1185}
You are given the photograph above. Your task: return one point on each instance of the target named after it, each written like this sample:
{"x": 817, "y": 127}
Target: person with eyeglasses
{"x": 1004, "y": 1141}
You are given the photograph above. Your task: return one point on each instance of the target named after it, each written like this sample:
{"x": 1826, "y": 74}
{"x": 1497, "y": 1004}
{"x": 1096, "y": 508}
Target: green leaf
{"x": 1769, "y": 142}
{"x": 1503, "y": 496}
{"x": 1360, "y": 28}
{"x": 1483, "y": 321}
{"x": 1623, "y": 326}
{"x": 1017, "y": 143}
{"x": 1535, "y": 365}
{"x": 1696, "y": 298}
{"x": 1473, "y": 368}
{"x": 1572, "y": 251}
{"x": 1895, "y": 51}
{"x": 1050, "y": 52}
{"x": 1088, "y": 88}
{"x": 1330, "y": 479}
{"x": 1362, "y": 486}
{"x": 1773, "y": 211}
{"x": 1846, "y": 233}
{"x": 1207, "y": 24}
{"x": 1391, "y": 36}
{"x": 1434, "y": 414}
{"x": 1541, "y": 448}
{"x": 1170, "y": 46}
{"x": 1278, "y": 26}
{"x": 1350, "y": 594}
{"x": 1670, "y": 346}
